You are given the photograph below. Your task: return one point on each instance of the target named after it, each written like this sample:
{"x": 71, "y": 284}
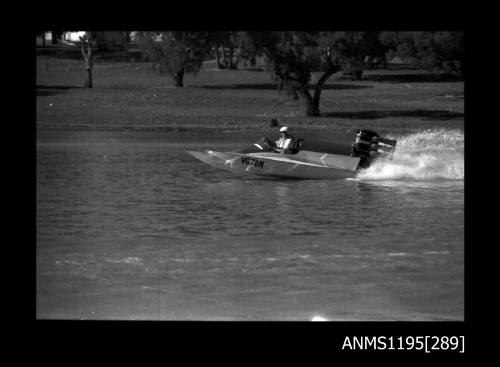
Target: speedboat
{"x": 312, "y": 159}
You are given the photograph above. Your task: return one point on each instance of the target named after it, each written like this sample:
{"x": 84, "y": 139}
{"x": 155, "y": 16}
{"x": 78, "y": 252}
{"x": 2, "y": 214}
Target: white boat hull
{"x": 305, "y": 164}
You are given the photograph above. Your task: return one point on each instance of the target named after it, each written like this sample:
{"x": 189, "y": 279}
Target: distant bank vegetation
{"x": 292, "y": 58}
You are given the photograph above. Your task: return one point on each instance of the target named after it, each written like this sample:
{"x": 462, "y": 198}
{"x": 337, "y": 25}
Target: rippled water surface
{"x": 129, "y": 226}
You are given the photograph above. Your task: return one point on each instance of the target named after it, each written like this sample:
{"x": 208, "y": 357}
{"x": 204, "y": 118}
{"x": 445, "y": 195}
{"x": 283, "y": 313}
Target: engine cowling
{"x": 369, "y": 145}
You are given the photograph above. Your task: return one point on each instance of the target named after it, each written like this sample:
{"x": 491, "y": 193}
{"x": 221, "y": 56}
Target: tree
{"x": 126, "y": 40}
{"x": 55, "y": 35}
{"x": 294, "y": 56}
{"x": 42, "y": 35}
{"x": 176, "y": 53}
{"x": 440, "y": 51}
{"x": 224, "y": 44}
{"x": 88, "y": 44}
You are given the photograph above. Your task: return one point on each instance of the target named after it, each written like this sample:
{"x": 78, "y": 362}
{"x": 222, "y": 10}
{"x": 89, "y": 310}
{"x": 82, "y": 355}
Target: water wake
{"x": 429, "y": 155}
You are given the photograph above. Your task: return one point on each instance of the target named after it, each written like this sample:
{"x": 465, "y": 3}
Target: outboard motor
{"x": 369, "y": 145}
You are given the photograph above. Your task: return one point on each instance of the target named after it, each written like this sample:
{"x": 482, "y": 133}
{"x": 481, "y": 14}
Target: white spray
{"x": 429, "y": 155}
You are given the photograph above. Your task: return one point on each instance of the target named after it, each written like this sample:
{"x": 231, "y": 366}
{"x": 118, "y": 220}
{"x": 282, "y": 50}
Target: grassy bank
{"x": 130, "y": 96}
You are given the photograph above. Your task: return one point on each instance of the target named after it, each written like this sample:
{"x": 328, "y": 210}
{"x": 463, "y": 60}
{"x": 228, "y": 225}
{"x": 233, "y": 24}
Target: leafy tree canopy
{"x": 176, "y": 52}
{"x": 442, "y": 51}
{"x": 295, "y": 56}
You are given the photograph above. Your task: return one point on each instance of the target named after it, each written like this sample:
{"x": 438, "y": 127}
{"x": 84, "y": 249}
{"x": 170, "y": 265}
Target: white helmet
{"x": 284, "y": 129}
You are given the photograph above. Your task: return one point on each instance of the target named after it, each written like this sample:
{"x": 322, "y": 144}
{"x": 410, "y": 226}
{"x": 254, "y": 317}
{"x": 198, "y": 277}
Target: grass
{"x": 130, "y": 96}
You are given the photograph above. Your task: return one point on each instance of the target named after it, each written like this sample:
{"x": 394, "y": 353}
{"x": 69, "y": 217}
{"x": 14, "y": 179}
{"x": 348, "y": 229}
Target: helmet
{"x": 284, "y": 129}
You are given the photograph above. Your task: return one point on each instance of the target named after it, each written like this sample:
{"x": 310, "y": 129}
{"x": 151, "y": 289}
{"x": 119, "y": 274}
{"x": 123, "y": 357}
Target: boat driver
{"x": 286, "y": 143}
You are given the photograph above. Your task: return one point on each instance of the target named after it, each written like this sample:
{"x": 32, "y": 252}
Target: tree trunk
{"x": 312, "y": 107}
{"x": 224, "y": 56}
{"x": 319, "y": 88}
{"x": 88, "y": 58}
{"x": 179, "y": 78}
{"x": 238, "y": 55}
{"x": 125, "y": 41}
{"x": 280, "y": 83}
{"x": 232, "y": 64}
{"x": 88, "y": 78}
{"x": 217, "y": 57}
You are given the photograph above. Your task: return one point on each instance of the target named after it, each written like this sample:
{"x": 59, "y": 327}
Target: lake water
{"x": 129, "y": 226}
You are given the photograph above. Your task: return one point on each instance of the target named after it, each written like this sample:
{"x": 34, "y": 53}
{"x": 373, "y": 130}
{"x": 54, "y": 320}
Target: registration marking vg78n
{"x": 252, "y": 162}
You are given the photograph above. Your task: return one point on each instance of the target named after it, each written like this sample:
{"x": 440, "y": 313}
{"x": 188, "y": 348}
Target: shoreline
{"x": 198, "y": 136}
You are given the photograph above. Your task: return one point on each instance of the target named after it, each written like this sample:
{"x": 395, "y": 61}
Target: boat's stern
{"x": 369, "y": 146}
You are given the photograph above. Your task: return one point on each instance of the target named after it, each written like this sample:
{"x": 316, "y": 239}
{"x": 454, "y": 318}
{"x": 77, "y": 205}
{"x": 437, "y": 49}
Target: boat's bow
{"x": 216, "y": 159}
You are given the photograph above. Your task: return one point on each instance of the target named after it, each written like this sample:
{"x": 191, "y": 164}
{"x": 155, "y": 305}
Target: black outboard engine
{"x": 369, "y": 145}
